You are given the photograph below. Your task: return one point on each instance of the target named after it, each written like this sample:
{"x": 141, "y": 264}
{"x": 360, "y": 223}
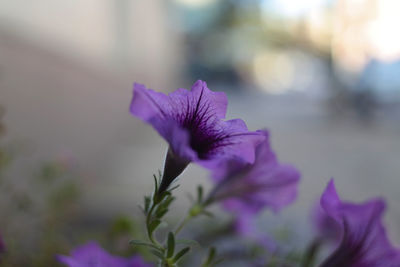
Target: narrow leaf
{"x": 160, "y": 213}
{"x": 147, "y": 201}
{"x": 168, "y": 201}
{"x": 211, "y": 255}
{"x": 171, "y": 245}
{"x": 175, "y": 187}
{"x": 155, "y": 184}
{"x": 153, "y": 225}
{"x": 162, "y": 196}
{"x": 199, "y": 194}
{"x": 159, "y": 176}
{"x": 180, "y": 254}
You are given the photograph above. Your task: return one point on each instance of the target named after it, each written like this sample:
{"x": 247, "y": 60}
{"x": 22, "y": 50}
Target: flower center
{"x": 200, "y": 121}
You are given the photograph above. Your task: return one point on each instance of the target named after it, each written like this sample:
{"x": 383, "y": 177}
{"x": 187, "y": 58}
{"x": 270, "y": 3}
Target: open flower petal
{"x": 199, "y": 113}
{"x": 192, "y": 123}
{"x": 200, "y": 98}
{"x": 249, "y": 188}
{"x": 326, "y": 228}
{"x": 364, "y": 241}
{"x": 147, "y": 104}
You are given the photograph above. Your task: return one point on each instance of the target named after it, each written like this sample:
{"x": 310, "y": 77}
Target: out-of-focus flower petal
{"x": 246, "y": 227}
{"x": 249, "y": 188}
{"x": 324, "y": 225}
{"x": 92, "y": 255}
{"x": 363, "y": 238}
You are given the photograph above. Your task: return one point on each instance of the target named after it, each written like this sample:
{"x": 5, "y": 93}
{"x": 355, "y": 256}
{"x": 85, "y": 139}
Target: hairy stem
{"x": 183, "y": 223}
{"x": 148, "y": 221}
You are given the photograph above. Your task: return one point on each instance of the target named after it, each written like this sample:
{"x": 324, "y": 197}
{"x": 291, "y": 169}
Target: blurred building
{"x": 129, "y": 37}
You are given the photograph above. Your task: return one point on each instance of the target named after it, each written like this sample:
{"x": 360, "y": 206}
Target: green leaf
{"x": 168, "y": 201}
{"x": 175, "y": 187}
{"x": 211, "y": 260}
{"x": 180, "y": 254}
{"x": 147, "y": 201}
{"x": 171, "y": 245}
{"x": 159, "y": 176}
{"x": 159, "y": 198}
{"x": 165, "y": 194}
{"x": 199, "y": 194}
{"x": 211, "y": 254}
{"x": 153, "y": 225}
{"x": 155, "y": 184}
{"x": 161, "y": 212}
{"x": 141, "y": 243}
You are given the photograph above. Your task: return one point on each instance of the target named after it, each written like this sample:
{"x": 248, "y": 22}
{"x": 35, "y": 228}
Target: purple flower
{"x": 246, "y": 227}
{"x": 248, "y": 188}
{"x": 192, "y": 123}
{"x": 92, "y": 255}
{"x": 327, "y": 229}
{"x": 363, "y": 238}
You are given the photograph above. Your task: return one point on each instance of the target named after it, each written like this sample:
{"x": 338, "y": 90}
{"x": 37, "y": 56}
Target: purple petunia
{"x": 193, "y": 124}
{"x": 92, "y": 255}
{"x": 363, "y": 238}
{"x": 246, "y": 227}
{"x": 246, "y": 189}
{"x": 326, "y": 228}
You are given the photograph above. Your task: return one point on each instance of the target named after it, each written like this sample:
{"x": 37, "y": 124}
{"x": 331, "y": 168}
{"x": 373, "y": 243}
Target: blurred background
{"x": 322, "y": 75}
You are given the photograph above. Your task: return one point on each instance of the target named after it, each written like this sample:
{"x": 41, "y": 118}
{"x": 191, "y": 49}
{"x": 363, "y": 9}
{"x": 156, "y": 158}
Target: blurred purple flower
{"x": 246, "y": 189}
{"x": 92, "y": 255}
{"x": 363, "y": 238}
{"x": 247, "y": 228}
{"x": 326, "y": 228}
{"x": 192, "y": 123}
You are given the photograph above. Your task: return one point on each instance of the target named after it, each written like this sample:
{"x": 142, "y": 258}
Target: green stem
{"x": 193, "y": 212}
{"x": 148, "y": 219}
{"x": 311, "y": 253}
{"x": 183, "y": 223}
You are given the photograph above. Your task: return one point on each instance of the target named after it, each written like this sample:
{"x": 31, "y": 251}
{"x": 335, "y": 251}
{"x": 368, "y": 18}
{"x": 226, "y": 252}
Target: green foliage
{"x": 199, "y": 194}
{"x": 211, "y": 259}
{"x": 170, "y": 245}
{"x": 180, "y": 254}
{"x": 155, "y": 208}
{"x": 34, "y": 218}
{"x": 153, "y": 226}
